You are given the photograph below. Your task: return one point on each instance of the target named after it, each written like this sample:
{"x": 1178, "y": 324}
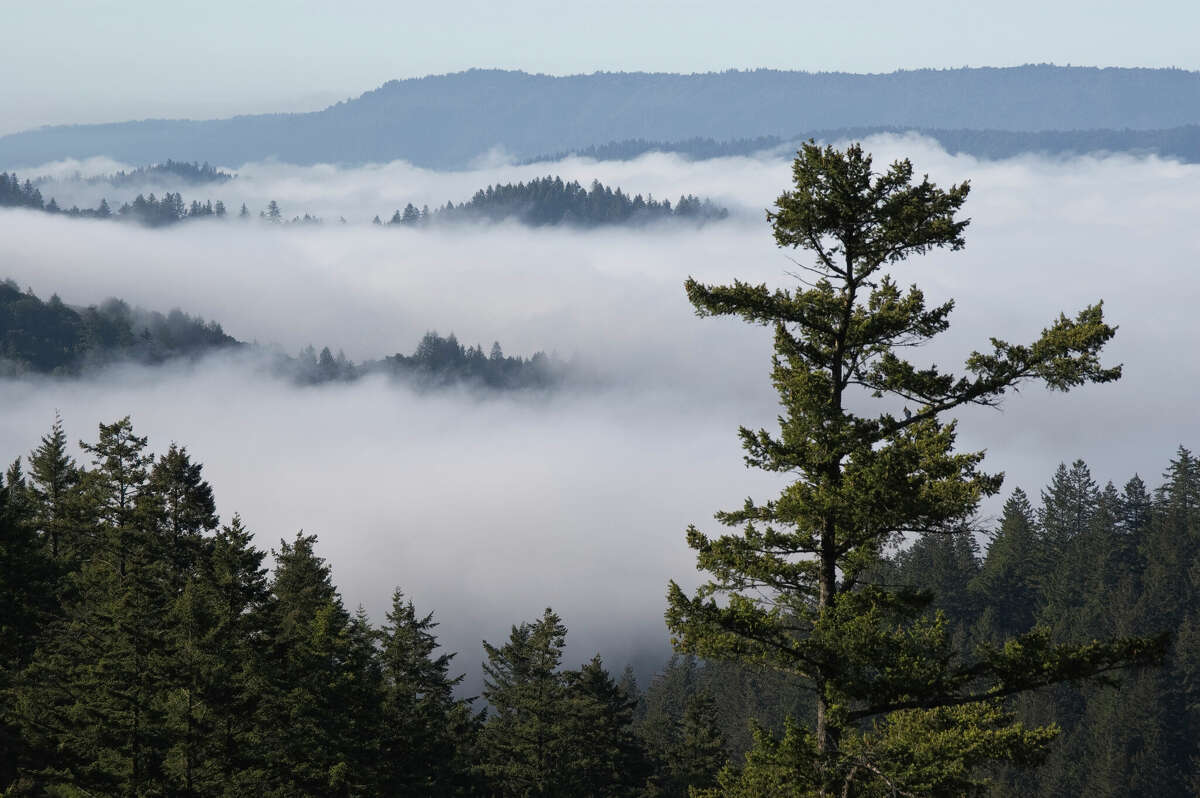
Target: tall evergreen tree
{"x": 791, "y": 583}
{"x": 27, "y": 602}
{"x": 305, "y": 728}
{"x": 53, "y": 477}
{"x": 524, "y": 751}
{"x": 1007, "y": 583}
{"x": 427, "y": 733}
{"x": 606, "y": 758}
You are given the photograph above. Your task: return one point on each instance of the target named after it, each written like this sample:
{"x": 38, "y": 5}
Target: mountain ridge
{"x": 447, "y": 120}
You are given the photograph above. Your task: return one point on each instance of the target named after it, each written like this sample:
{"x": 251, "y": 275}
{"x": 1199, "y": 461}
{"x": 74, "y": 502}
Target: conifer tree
{"x": 237, "y": 682}
{"x": 791, "y": 589}
{"x": 310, "y": 669}
{"x": 53, "y": 477}
{"x": 427, "y": 733}
{"x": 605, "y": 756}
{"x": 523, "y": 743}
{"x": 701, "y": 751}
{"x": 27, "y": 602}
{"x": 1007, "y": 583}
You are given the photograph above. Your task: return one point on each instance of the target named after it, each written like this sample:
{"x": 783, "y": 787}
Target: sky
{"x": 487, "y": 509}
{"x": 80, "y": 61}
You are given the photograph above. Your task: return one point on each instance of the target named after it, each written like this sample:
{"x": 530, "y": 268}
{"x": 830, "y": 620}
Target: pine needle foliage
{"x": 899, "y": 711}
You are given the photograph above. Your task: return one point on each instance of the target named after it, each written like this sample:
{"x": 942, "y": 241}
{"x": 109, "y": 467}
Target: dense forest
{"x": 542, "y": 201}
{"x": 50, "y": 337}
{"x": 148, "y": 650}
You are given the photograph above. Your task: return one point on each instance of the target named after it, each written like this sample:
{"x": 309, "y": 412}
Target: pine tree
{"x": 179, "y": 505}
{"x": 700, "y": 754}
{"x": 27, "y": 577}
{"x": 306, "y": 732}
{"x": 792, "y": 583}
{"x": 236, "y": 684}
{"x": 427, "y": 733}
{"x": 53, "y": 477}
{"x": 605, "y": 757}
{"x": 523, "y": 746}
{"x": 1006, "y": 585}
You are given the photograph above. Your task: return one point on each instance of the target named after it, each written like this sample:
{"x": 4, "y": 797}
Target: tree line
{"x": 540, "y": 202}
{"x": 51, "y": 337}
{"x": 148, "y": 650}
{"x": 550, "y": 201}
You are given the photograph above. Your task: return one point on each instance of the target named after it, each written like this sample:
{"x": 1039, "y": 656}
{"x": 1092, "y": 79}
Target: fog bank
{"x": 487, "y": 510}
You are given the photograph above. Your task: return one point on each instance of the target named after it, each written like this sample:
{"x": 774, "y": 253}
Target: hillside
{"x": 444, "y": 121}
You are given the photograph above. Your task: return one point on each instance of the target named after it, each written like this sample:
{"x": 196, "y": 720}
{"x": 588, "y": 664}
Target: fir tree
{"x": 523, "y": 743}
{"x": 427, "y": 733}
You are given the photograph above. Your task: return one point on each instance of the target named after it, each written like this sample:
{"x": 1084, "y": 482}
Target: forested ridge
{"x": 149, "y": 650}
{"x": 52, "y": 338}
{"x": 446, "y": 121}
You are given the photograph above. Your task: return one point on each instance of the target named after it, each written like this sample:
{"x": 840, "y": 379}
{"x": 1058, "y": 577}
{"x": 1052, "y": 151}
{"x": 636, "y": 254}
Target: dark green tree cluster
{"x": 437, "y": 362}
{"x": 540, "y": 202}
{"x": 1089, "y": 562}
{"x": 15, "y": 194}
{"x": 50, "y": 337}
{"x": 443, "y": 361}
{"x": 551, "y": 201}
{"x": 192, "y": 173}
{"x": 53, "y": 338}
{"x": 145, "y": 209}
{"x": 154, "y": 212}
{"x": 552, "y": 732}
{"x": 146, "y": 650}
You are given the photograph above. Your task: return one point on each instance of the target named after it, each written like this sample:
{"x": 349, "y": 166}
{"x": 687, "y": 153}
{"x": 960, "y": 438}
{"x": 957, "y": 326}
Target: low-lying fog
{"x": 487, "y": 509}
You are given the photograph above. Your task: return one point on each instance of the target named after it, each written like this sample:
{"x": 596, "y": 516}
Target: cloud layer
{"x": 486, "y": 510}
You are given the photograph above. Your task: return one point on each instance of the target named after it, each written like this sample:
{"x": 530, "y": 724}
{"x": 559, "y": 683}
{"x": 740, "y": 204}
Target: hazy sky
{"x": 488, "y": 510}
{"x": 67, "y": 61}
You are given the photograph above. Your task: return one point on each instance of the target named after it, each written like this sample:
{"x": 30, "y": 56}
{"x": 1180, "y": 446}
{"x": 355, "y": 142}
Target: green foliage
{"x": 51, "y": 338}
{"x": 551, "y": 732}
{"x": 550, "y": 201}
{"x": 793, "y": 588}
{"x": 426, "y": 733}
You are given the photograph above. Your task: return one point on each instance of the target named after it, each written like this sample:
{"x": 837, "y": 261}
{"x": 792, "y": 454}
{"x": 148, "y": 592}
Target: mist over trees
{"x": 854, "y": 638}
{"x": 53, "y": 338}
{"x": 549, "y": 201}
{"x": 540, "y": 202}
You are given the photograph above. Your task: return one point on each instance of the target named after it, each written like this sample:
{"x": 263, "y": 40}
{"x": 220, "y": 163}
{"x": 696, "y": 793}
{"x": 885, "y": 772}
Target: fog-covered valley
{"x": 487, "y": 508}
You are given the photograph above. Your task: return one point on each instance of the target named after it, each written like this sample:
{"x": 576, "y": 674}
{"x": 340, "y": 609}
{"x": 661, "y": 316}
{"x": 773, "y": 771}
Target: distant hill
{"x": 1180, "y": 143}
{"x": 445, "y": 121}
